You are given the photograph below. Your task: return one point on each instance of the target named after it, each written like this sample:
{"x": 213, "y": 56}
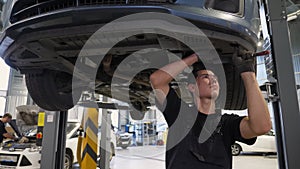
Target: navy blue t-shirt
{"x": 2, "y": 131}
{"x": 188, "y": 147}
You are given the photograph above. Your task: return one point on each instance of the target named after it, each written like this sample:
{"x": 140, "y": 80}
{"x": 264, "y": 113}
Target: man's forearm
{"x": 167, "y": 73}
{"x": 258, "y": 113}
{"x": 7, "y": 135}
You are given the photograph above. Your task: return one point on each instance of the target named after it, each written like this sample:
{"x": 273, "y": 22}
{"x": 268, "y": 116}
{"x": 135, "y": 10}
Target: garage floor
{"x": 152, "y": 157}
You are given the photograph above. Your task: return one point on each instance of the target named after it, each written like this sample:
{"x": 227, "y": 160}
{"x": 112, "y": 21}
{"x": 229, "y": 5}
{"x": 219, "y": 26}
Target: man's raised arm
{"x": 258, "y": 121}
{"x": 161, "y": 78}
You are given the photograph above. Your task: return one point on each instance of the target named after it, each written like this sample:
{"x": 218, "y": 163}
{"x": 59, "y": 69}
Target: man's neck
{"x": 205, "y": 105}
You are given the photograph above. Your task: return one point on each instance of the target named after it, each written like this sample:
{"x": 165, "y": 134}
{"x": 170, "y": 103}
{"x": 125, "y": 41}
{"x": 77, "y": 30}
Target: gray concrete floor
{"x": 255, "y": 161}
{"x": 152, "y": 157}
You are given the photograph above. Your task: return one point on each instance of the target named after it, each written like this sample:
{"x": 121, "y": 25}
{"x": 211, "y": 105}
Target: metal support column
{"x": 54, "y": 141}
{"x": 279, "y": 135}
{"x": 105, "y": 138}
{"x": 289, "y": 116}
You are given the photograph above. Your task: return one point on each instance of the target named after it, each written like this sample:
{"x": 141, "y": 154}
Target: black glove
{"x": 187, "y": 53}
{"x": 243, "y": 63}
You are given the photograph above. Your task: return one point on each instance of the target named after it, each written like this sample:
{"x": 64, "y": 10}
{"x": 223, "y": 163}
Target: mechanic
{"x": 3, "y": 133}
{"x": 209, "y": 135}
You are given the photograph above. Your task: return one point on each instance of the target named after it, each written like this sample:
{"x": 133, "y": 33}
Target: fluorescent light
{"x": 259, "y": 43}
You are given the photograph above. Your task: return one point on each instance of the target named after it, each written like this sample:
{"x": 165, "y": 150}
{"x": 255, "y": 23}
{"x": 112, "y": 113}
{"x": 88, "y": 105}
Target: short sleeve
{"x": 2, "y": 128}
{"x": 232, "y": 128}
{"x": 170, "y": 107}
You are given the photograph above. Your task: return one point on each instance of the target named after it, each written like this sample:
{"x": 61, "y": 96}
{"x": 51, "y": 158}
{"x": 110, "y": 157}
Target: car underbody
{"x": 47, "y": 46}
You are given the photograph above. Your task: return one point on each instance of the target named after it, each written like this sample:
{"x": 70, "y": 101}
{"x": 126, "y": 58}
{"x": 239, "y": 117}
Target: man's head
{"x": 207, "y": 85}
{"x": 6, "y": 118}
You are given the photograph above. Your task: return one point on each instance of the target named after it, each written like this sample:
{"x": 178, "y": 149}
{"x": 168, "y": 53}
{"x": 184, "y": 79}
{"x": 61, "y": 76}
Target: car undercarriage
{"x": 44, "y": 41}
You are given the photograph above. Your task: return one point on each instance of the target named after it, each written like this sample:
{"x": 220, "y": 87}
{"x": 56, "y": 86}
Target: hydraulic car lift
{"x": 286, "y": 108}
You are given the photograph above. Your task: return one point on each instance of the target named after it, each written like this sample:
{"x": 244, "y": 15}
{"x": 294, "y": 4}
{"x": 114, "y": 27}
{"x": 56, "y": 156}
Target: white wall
{"x": 4, "y": 74}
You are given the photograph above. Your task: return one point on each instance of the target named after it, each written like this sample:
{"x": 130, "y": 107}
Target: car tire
{"x": 68, "y": 161}
{"x": 124, "y": 147}
{"x": 137, "y": 115}
{"x": 137, "y": 112}
{"x": 45, "y": 89}
{"x": 236, "y": 149}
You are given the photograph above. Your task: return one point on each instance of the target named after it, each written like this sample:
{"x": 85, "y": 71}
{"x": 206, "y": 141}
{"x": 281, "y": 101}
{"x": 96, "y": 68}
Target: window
{"x": 232, "y": 6}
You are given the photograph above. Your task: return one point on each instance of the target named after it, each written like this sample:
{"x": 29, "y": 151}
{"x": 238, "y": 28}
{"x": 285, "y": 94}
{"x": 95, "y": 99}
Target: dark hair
{"x": 196, "y": 67}
{"x": 7, "y": 115}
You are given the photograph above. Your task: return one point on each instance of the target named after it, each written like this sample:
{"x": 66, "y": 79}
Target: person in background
{"x": 3, "y": 133}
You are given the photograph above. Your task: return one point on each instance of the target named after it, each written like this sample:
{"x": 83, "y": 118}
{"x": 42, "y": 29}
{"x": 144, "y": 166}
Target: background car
{"x": 123, "y": 139}
{"x": 265, "y": 144}
{"x": 27, "y": 155}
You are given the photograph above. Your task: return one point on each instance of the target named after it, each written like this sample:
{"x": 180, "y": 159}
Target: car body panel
{"x": 32, "y": 156}
{"x": 244, "y": 26}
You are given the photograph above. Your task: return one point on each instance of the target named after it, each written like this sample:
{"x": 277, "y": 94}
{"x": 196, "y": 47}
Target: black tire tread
{"x": 71, "y": 159}
{"x": 43, "y": 90}
{"x": 236, "y": 95}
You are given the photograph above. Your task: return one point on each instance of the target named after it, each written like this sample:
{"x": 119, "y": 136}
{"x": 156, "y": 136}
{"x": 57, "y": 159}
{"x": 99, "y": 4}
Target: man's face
{"x": 6, "y": 120}
{"x": 208, "y": 85}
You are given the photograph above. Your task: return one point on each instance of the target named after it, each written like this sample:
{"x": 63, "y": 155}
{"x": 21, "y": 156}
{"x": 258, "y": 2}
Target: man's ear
{"x": 192, "y": 87}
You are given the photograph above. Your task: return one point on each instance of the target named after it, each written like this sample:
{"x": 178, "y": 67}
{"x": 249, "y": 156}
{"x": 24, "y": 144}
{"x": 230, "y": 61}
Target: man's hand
{"x": 244, "y": 63}
{"x": 23, "y": 140}
{"x": 191, "y": 56}
{"x": 9, "y": 135}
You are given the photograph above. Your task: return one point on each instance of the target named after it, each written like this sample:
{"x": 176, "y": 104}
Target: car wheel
{"x": 137, "y": 113}
{"x": 124, "y": 147}
{"x": 52, "y": 90}
{"x": 68, "y": 161}
{"x": 236, "y": 149}
{"x": 236, "y": 94}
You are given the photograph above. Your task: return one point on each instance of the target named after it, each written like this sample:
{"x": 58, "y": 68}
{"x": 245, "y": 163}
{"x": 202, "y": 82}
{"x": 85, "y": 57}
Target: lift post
{"x": 54, "y": 141}
{"x": 90, "y": 140}
{"x": 105, "y": 138}
{"x": 105, "y": 131}
{"x": 286, "y": 109}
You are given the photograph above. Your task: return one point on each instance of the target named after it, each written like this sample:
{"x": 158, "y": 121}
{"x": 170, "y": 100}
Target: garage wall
{"x": 16, "y": 93}
{"x": 294, "y": 27}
